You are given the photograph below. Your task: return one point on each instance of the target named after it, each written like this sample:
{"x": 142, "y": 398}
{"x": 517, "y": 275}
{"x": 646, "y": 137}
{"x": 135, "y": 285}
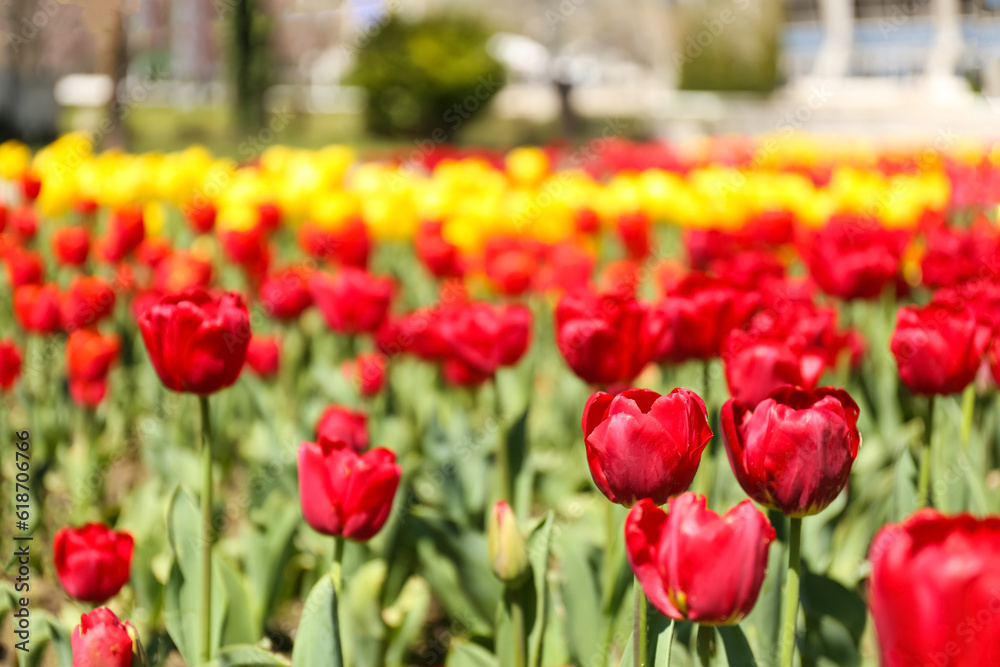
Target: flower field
{"x": 728, "y": 402}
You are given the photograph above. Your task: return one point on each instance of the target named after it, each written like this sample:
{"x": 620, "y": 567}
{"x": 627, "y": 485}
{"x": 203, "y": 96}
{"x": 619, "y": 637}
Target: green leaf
{"x": 822, "y": 596}
{"x": 738, "y": 652}
{"x": 466, "y": 654}
{"x": 578, "y": 588}
{"x": 269, "y": 546}
{"x": 517, "y": 451}
{"x": 539, "y": 549}
{"x": 658, "y": 635}
{"x": 243, "y": 655}
{"x": 317, "y": 643}
{"x": 60, "y": 642}
{"x": 405, "y": 619}
{"x": 239, "y": 626}
{"x": 182, "y": 596}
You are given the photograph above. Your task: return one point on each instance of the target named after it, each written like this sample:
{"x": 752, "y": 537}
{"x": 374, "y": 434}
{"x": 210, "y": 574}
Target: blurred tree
{"x": 426, "y": 78}
{"x": 249, "y": 59}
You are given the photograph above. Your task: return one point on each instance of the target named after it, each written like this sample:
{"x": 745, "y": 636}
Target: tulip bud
{"x": 506, "y": 547}
{"x": 102, "y": 640}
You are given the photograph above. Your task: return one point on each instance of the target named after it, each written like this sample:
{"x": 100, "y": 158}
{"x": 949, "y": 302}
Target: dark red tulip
{"x": 10, "y": 364}
{"x": 699, "y": 314}
{"x": 485, "y": 337}
{"x": 981, "y": 296}
{"x": 31, "y": 186}
{"x": 102, "y": 640}
{"x": 854, "y": 258}
{"x": 182, "y": 270}
{"x": 269, "y": 216}
{"x": 954, "y": 256}
{"x": 644, "y": 445}
{"x": 24, "y": 267}
{"x": 92, "y": 561}
{"x": 440, "y": 257}
{"x": 352, "y": 301}
{"x": 603, "y": 338}
{"x": 71, "y": 245}
{"x": 201, "y": 217}
{"x": 938, "y": 348}
{"x": 510, "y": 265}
{"x": 755, "y": 366}
{"x": 348, "y": 244}
{"x": 197, "y": 342}
{"x": 934, "y": 591}
{"x": 344, "y": 493}
{"x": 457, "y": 373}
{"x": 794, "y": 451}
{"x": 746, "y": 269}
{"x": 565, "y": 268}
{"x": 88, "y": 300}
{"x": 343, "y": 427}
{"x": 285, "y": 294}
{"x": 416, "y": 333}
{"x": 675, "y": 557}
{"x": 24, "y": 222}
{"x": 263, "y": 354}
{"x": 152, "y": 251}
{"x": 37, "y": 308}
{"x": 126, "y": 230}
{"x": 367, "y": 372}
{"x": 587, "y": 221}
{"x": 248, "y": 248}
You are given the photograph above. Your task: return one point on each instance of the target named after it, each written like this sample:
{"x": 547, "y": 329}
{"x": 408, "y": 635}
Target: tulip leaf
{"x": 467, "y": 654}
{"x": 317, "y": 642}
{"x": 269, "y": 546}
{"x": 244, "y": 655}
{"x": 822, "y": 596}
{"x": 539, "y": 549}
{"x": 443, "y": 577}
{"x": 39, "y": 641}
{"x": 517, "y": 454}
{"x": 738, "y": 652}
{"x": 182, "y": 596}
{"x": 60, "y": 642}
{"x": 239, "y": 627}
{"x": 658, "y": 636}
{"x": 578, "y": 588}
{"x": 405, "y": 619}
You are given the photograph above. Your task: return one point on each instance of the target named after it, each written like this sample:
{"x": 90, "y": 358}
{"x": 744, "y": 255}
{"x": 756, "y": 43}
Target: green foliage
{"x": 426, "y": 78}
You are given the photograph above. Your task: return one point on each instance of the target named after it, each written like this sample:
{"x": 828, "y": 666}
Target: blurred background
{"x": 385, "y": 74}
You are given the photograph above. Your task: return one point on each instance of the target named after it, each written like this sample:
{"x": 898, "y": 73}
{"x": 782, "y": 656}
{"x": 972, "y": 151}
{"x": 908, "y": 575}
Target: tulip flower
{"x": 346, "y": 494}
{"x": 933, "y": 591}
{"x": 938, "y": 348}
{"x": 153, "y": 251}
{"x": 24, "y": 222}
{"x": 126, "y": 230}
{"x": 197, "y": 342}
{"x": 269, "y": 216}
{"x": 675, "y": 557}
{"x": 71, "y": 245}
{"x": 746, "y": 269}
{"x": 88, "y": 300}
{"x": 367, "y": 372}
{"x": 635, "y": 230}
{"x": 603, "y": 339}
{"x": 565, "y": 268}
{"x": 506, "y": 547}
{"x": 700, "y": 312}
{"x": 352, "y": 301}
{"x": 10, "y": 364}
{"x": 23, "y": 267}
{"x": 285, "y": 294}
{"x": 954, "y": 256}
{"x": 854, "y": 258}
{"x": 342, "y": 426}
{"x": 201, "y": 217}
{"x": 182, "y": 270}
{"x": 794, "y": 451}
{"x": 756, "y": 366}
{"x": 247, "y": 248}
{"x": 441, "y": 258}
{"x": 92, "y": 561}
{"x": 484, "y": 337}
{"x": 37, "y": 308}
{"x": 263, "y": 354}
{"x": 89, "y": 356}
{"x": 348, "y": 245}
{"x": 102, "y": 640}
{"x": 644, "y": 445}
{"x": 31, "y": 186}
{"x": 510, "y": 265}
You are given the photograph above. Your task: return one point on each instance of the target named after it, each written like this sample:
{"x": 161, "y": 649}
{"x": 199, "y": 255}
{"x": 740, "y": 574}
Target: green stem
{"x": 640, "y": 646}
{"x": 609, "y": 583}
{"x": 924, "y": 482}
{"x": 705, "y": 640}
{"x": 520, "y": 640}
{"x": 337, "y": 575}
{"x": 206, "y": 531}
{"x": 791, "y": 593}
{"x": 968, "y": 411}
{"x": 504, "y": 484}
{"x": 670, "y": 640}
{"x": 707, "y": 467}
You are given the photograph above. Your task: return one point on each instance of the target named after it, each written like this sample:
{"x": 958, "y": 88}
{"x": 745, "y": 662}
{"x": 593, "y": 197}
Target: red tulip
{"x": 510, "y": 265}
{"x": 285, "y": 294}
{"x": 92, "y": 561}
{"x": 269, "y": 216}
{"x": 938, "y": 348}
{"x": 126, "y": 230}
{"x": 37, "y": 308}
{"x": 794, "y": 451}
{"x": 89, "y": 300}
{"x": 31, "y": 186}
{"x": 644, "y": 445}
{"x": 675, "y": 555}
{"x": 635, "y": 230}
{"x": 587, "y": 221}
{"x": 485, "y": 337}
{"x": 934, "y": 591}
{"x": 349, "y": 245}
{"x": 182, "y": 270}
{"x": 854, "y": 258}
{"x": 71, "y": 245}
{"x": 566, "y": 267}
{"x": 10, "y": 364}
{"x": 89, "y": 355}
{"x": 24, "y": 267}
{"x": 440, "y": 257}
{"x": 746, "y": 269}
{"x": 603, "y": 338}
{"x": 416, "y": 333}
{"x": 981, "y": 296}
{"x": 954, "y": 256}
{"x": 700, "y": 313}
{"x": 344, "y": 493}
{"x": 263, "y": 354}
{"x": 352, "y": 301}
{"x": 85, "y": 207}
{"x": 755, "y": 366}
{"x": 367, "y": 372}
{"x": 197, "y": 342}
{"x": 152, "y": 251}
{"x": 248, "y": 248}
{"x": 102, "y": 640}
{"x": 201, "y": 217}
{"x": 343, "y": 427}
{"x": 24, "y": 222}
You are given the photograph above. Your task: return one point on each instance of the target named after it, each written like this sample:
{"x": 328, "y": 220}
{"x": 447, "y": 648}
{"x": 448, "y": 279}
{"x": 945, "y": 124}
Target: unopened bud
{"x": 507, "y": 550}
